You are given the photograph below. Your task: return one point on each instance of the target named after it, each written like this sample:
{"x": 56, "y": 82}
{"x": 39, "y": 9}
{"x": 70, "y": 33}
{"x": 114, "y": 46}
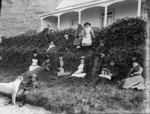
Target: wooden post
{"x": 105, "y": 17}
{"x": 58, "y": 23}
{"x": 79, "y": 18}
{"x": 41, "y": 24}
{"x": 139, "y": 8}
{"x": 147, "y": 59}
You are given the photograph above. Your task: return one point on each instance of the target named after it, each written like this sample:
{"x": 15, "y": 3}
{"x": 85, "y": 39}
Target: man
{"x": 99, "y": 57}
{"x": 26, "y": 87}
{"x": 47, "y": 31}
{"x": 113, "y": 72}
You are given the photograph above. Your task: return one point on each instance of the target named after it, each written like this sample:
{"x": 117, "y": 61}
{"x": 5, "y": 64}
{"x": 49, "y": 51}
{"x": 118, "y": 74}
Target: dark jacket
{"x": 28, "y": 85}
{"x": 114, "y": 70}
{"x": 66, "y": 44}
{"x": 135, "y": 71}
{"x": 101, "y": 50}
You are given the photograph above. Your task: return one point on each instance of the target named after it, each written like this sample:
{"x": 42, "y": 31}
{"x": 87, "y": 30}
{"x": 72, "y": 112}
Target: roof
{"x": 70, "y": 3}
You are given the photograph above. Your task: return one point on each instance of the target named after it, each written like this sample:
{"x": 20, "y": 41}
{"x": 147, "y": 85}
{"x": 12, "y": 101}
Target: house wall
{"x": 65, "y": 19}
{"x": 125, "y": 9}
{"x": 93, "y": 15}
{"x": 52, "y": 20}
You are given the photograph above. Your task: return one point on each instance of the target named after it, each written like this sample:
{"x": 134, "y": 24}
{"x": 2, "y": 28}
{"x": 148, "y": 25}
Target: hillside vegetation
{"x": 19, "y": 16}
{"x": 125, "y": 39}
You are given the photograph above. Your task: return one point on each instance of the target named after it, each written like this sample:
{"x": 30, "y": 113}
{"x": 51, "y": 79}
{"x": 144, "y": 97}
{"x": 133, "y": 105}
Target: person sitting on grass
{"x": 134, "y": 78}
{"x": 51, "y": 46}
{"x": 108, "y": 72}
{"x": 26, "y": 87}
{"x": 100, "y": 55}
{"x": 80, "y": 72}
{"x": 35, "y": 61}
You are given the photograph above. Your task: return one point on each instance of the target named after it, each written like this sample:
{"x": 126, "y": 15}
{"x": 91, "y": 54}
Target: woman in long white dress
{"x": 80, "y": 72}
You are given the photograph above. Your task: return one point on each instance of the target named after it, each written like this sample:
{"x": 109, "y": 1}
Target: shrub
{"x": 125, "y": 39}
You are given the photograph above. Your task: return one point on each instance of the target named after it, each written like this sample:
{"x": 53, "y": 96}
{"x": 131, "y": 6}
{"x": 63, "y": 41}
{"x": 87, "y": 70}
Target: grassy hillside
{"x": 19, "y": 16}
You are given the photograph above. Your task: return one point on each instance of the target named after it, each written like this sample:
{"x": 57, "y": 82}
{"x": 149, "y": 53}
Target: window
{"x": 74, "y": 22}
{"x": 110, "y": 18}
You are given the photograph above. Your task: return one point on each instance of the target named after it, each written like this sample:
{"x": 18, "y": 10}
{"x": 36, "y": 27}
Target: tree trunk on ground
{"x": 147, "y": 61}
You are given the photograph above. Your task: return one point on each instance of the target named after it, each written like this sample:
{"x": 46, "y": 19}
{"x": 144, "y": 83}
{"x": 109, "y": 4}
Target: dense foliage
{"x": 125, "y": 39}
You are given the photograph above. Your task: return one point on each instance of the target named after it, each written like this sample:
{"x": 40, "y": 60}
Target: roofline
{"x": 74, "y": 7}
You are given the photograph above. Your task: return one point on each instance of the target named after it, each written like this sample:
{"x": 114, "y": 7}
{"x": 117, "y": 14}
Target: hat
{"x": 33, "y": 76}
{"x": 87, "y": 23}
{"x": 102, "y": 41}
{"x": 134, "y": 59}
{"x": 66, "y": 33}
{"x": 105, "y": 65}
{"x": 82, "y": 57}
{"x": 34, "y": 51}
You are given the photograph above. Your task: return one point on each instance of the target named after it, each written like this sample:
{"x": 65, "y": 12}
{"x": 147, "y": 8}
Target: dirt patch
{"x": 15, "y": 109}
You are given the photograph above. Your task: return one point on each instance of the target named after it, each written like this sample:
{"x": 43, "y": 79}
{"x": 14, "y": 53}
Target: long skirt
{"x": 134, "y": 82}
{"x": 32, "y": 67}
{"x": 78, "y": 73}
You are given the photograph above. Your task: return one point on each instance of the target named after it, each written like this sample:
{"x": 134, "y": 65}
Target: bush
{"x": 125, "y": 38}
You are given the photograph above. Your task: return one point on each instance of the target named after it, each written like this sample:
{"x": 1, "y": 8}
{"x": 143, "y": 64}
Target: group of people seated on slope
{"x": 101, "y": 69}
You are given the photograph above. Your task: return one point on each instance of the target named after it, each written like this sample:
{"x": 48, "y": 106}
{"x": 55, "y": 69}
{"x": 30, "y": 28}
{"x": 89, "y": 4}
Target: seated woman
{"x": 51, "y": 46}
{"x": 35, "y": 60}
{"x": 134, "y": 78}
{"x": 80, "y": 71}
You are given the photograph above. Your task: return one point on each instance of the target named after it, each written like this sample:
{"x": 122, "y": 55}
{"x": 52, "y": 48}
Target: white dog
{"x": 11, "y": 88}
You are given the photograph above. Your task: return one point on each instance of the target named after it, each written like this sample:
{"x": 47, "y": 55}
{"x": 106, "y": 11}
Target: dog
{"x": 11, "y": 88}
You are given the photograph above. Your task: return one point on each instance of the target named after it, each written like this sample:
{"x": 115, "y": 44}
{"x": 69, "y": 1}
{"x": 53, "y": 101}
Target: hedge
{"x": 125, "y": 39}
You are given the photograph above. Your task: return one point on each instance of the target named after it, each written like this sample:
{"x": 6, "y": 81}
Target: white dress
{"x": 87, "y": 39}
{"x": 79, "y": 72}
{"x": 34, "y": 65}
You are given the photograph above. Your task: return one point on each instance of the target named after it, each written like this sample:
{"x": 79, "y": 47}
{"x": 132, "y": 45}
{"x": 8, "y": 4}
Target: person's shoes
{"x": 22, "y": 104}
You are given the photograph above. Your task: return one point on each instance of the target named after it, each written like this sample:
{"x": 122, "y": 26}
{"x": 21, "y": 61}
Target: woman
{"x": 78, "y": 36}
{"x": 80, "y": 72}
{"x": 134, "y": 78}
{"x": 35, "y": 61}
{"x": 87, "y": 35}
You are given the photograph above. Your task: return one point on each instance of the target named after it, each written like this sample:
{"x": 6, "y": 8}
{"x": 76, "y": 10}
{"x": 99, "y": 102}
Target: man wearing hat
{"x": 87, "y": 35}
{"x": 26, "y": 87}
{"x": 99, "y": 57}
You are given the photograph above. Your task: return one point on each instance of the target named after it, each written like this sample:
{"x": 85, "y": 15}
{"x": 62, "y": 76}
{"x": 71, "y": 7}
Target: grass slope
{"x": 72, "y": 96}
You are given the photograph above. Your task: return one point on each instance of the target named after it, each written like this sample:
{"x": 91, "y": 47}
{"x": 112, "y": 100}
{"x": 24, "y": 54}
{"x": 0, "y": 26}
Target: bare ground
{"x": 15, "y": 109}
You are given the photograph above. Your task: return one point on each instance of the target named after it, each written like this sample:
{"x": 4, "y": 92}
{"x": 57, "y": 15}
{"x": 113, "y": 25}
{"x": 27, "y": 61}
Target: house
{"x": 98, "y": 12}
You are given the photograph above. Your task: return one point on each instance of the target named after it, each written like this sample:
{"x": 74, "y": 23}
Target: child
{"x": 52, "y": 45}
{"x": 87, "y": 36}
{"x": 26, "y": 87}
{"x": 35, "y": 61}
